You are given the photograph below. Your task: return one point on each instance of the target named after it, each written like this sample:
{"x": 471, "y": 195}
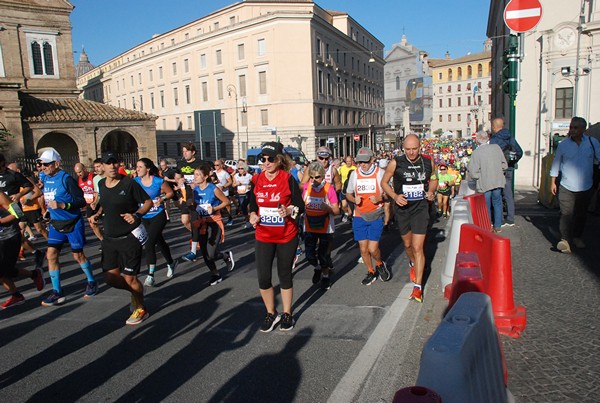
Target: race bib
{"x": 366, "y": 186}
{"x": 140, "y": 234}
{"x": 314, "y": 203}
{"x": 414, "y": 192}
{"x": 202, "y": 209}
{"x": 188, "y": 178}
{"x": 88, "y": 198}
{"x": 241, "y": 189}
{"x": 270, "y": 217}
{"x": 48, "y": 197}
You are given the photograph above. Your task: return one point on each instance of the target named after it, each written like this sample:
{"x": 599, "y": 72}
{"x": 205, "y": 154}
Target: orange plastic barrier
{"x": 416, "y": 394}
{"x": 496, "y": 266}
{"x": 467, "y": 277}
{"x": 479, "y": 211}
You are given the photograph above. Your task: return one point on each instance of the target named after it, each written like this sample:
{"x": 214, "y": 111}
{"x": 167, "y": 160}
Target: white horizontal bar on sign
{"x": 530, "y": 12}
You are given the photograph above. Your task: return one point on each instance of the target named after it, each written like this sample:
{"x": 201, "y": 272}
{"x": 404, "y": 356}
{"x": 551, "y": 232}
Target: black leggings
{"x": 154, "y": 227}
{"x": 265, "y": 254}
{"x": 209, "y": 245}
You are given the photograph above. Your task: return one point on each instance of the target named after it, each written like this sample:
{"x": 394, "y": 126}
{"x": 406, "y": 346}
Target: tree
{"x": 438, "y": 132}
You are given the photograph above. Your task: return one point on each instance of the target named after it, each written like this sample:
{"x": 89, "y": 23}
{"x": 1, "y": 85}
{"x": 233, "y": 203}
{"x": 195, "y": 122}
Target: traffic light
{"x": 510, "y": 67}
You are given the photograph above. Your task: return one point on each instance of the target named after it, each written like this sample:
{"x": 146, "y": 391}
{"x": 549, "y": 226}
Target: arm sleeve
{"x": 517, "y": 148}
{"x": 252, "y": 206}
{"x": 556, "y": 162}
{"x": 596, "y": 148}
{"x": 76, "y": 193}
{"x": 296, "y": 194}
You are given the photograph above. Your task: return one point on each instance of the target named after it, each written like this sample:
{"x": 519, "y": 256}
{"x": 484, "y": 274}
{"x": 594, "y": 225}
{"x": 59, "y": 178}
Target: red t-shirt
{"x": 270, "y": 194}
{"x": 87, "y": 185}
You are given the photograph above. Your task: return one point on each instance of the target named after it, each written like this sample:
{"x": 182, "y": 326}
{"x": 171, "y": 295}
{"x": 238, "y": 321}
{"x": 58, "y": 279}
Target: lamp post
{"x": 245, "y": 111}
{"x": 231, "y": 89}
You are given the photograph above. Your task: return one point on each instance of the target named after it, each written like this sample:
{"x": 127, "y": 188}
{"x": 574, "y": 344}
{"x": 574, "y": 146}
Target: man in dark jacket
{"x": 509, "y": 145}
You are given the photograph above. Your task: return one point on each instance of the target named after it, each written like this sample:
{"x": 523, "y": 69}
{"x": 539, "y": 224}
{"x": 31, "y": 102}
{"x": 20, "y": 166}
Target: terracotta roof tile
{"x": 463, "y": 59}
{"x": 76, "y": 110}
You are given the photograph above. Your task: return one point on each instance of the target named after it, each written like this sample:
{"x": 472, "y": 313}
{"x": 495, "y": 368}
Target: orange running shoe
{"x": 417, "y": 294}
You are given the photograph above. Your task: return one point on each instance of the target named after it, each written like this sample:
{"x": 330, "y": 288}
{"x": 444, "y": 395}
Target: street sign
{"x": 522, "y": 15}
{"x": 356, "y": 137}
{"x": 330, "y": 140}
{"x": 379, "y": 139}
{"x": 473, "y": 135}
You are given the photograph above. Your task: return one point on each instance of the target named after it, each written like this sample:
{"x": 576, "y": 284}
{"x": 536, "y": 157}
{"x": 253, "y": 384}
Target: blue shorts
{"x": 367, "y": 230}
{"x": 76, "y": 238}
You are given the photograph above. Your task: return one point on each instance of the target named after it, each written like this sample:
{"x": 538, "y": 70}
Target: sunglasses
{"x": 47, "y": 164}
{"x": 323, "y": 158}
{"x": 316, "y": 177}
{"x": 443, "y": 169}
{"x": 241, "y": 169}
{"x": 266, "y": 158}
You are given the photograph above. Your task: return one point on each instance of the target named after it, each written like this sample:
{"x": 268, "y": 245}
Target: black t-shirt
{"x": 187, "y": 169}
{"x": 410, "y": 174}
{"x": 125, "y": 197}
{"x": 11, "y": 182}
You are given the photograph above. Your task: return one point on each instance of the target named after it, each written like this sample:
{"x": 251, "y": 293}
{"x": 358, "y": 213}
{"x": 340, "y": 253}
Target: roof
{"x": 76, "y": 110}
{"x": 463, "y": 59}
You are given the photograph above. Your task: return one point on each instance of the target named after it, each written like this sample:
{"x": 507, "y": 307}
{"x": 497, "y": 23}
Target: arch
{"x": 459, "y": 74}
{"x": 123, "y": 144}
{"x": 61, "y": 142}
{"x": 469, "y": 72}
{"x": 479, "y": 70}
{"x": 449, "y": 74}
{"x": 397, "y": 83}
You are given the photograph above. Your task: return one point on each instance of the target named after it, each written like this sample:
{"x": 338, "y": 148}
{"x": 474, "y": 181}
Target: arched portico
{"x": 123, "y": 144}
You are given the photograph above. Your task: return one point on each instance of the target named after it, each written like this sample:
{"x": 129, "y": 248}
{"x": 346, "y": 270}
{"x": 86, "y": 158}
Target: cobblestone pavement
{"x": 556, "y": 358}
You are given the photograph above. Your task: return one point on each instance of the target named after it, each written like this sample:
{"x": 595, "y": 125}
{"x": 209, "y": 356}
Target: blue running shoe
{"x": 55, "y": 298}
{"x": 190, "y": 257}
{"x": 91, "y": 289}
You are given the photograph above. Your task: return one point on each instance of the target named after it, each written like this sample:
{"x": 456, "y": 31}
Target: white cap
{"x": 49, "y": 156}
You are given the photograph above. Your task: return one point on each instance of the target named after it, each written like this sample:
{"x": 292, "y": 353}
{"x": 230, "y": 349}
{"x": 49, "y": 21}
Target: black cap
{"x": 109, "y": 158}
{"x": 272, "y": 149}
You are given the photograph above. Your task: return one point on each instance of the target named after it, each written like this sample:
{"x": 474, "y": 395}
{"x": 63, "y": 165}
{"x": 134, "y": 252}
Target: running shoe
{"x": 91, "y": 289}
{"x": 171, "y": 268}
{"x": 137, "y": 317}
{"x": 508, "y": 224}
{"x": 55, "y": 298}
{"x": 270, "y": 321}
{"x": 38, "y": 257}
{"x": 325, "y": 283}
{"x": 229, "y": 262}
{"x": 189, "y": 257}
{"x": 316, "y": 276}
{"x": 14, "y": 300}
{"x": 360, "y": 260}
{"x": 345, "y": 218}
{"x": 416, "y": 295}
{"x": 149, "y": 282}
{"x": 412, "y": 273}
{"x": 296, "y": 257}
{"x": 230, "y": 222}
{"x": 287, "y": 322}
{"x": 247, "y": 225}
{"x": 383, "y": 271}
{"x": 215, "y": 279}
{"x": 32, "y": 238}
{"x": 369, "y": 278}
{"x": 38, "y": 278}
{"x": 563, "y": 246}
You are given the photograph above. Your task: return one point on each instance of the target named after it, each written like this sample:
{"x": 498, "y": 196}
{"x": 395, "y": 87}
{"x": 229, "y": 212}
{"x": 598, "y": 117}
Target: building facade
{"x": 462, "y": 94}
{"x": 286, "y": 70}
{"x": 559, "y": 73}
{"x": 39, "y": 103}
{"x": 408, "y": 86}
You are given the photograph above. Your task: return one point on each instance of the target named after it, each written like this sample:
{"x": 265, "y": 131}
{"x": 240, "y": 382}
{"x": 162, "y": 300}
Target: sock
{"x": 87, "y": 269}
{"x": 55, "y": 279}
{"x": 151, "y": 268}
{"x": 194, "y": 247}
{"x": 418, "y": 286}
{"x": 411, "y": 264}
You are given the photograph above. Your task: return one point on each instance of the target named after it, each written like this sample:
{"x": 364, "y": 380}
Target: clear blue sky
{"x": 436, "y": 26}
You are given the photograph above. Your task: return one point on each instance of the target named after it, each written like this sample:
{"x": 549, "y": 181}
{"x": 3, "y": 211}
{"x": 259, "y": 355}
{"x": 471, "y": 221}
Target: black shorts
{"x": 413, "y": 219}
{"x": 89, "y": 211}
{"x": 124, "y": 253}
{"x": 33, "y": 216}
{"x": 9, "y": 252}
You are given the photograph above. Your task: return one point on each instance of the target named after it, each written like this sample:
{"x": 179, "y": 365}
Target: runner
{"x": 155, "y": 219}
{"x": 331, "y": 174}
{"x": 321, "y": 205}
{"x": 415, "y": 182}
{"x": 208, "y": 228}
{"x": 85, "y": 180}
{"x": 224, "y": 184}
{"x": 275, "y": 203}
{"x": 445, "y": 183}
{"x": 187, "y": 166}
{"x": 344, "y": 173}
{"x": 64, "y": 200}
{"x": 99, "y": 171}
{"x": 124, "y": 233}
{"x": 364, "y": 190}
{"x": 10, "y": 243}
{"x": 242, "y": 182}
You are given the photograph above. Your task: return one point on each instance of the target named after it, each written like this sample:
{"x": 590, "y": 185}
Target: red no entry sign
{"x": 522, "y": 15}
{"x": 356, "y": 137}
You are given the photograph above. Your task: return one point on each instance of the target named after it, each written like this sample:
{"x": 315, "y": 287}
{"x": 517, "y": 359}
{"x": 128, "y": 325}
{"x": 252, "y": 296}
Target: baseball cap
{"x": 49, "y": 156}
{"x": 364, "y": 155}
{"x": 109, "y": 158}
{"x": 324, "y": 152}
{"x": 272, "y": 149}
{"x": 442, "y": 164}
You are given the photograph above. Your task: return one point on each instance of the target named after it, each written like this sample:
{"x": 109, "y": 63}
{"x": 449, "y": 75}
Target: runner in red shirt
{"x": 275, "y": 204}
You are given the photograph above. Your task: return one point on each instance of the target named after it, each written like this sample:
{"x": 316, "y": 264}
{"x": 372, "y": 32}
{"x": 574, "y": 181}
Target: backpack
{"x": 510, "y": 153}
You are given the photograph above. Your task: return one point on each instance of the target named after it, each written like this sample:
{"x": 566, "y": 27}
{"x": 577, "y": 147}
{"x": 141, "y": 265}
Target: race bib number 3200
{"x": 270, "y": 217}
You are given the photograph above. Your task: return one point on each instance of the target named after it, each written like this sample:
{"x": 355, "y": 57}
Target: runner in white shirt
{"x": 225, "y": 182}
{"x": 242, "y": 181}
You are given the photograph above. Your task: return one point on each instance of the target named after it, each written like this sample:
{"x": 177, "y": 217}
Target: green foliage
{"x": 438, "y": 132}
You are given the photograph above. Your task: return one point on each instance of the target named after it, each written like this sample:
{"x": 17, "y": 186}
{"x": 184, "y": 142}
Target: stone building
{"x": 559, "y": 75}
{"x": 39, "y": 102}
{"x": 273, "y": 69}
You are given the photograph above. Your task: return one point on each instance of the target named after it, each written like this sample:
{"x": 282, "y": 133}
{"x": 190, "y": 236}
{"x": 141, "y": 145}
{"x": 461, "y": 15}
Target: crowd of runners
{"x": 287, "y": 205}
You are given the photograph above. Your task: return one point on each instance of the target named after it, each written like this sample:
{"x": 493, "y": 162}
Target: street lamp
{"x": 245, "y": 111}
{"x": 231, "y": 89}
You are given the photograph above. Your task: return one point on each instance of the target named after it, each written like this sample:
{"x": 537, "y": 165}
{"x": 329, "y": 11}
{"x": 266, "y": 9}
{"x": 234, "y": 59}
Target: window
{"x": 177, "y": 124}
{"x": 151, "y": 100}
{"x": 262, "y": 47}
{"x": 205, "y": 91}
{"x": 441, "y": 90}
{"x": 242, "y": 85}
{"x": 133, "y": 102}
{"x": 150, "y": 75}
{"x": 564, "y": 103}
{"x": 320, "y": 81}
{"x": 320, "y": 116}
{"x": 449, "y": 118}
{"x": 131, "y": 77}
{"x": 469, "y": 72}
{"x": 241, "y": 52}
{"x": 440, "y": 118}
{"x": 439, "y": 76}
{"x": 469, "y": 100}
{"x": 43, "y": 57}
{"x": 140, "y": 78}
{"x": 160, "y": 72}
{"x": 262, "y": 82}
{"x": 231, "y": 20}
{"x": 458, "y": 87}
{"x": 264, "y": 117}
{"x": 188, "y": 95}
{"x": 458, "y": 117}
{"x": 186, "y": 36}
{"x": 220, "y": 88}
{"x": 244, "y": 118}
{"x": 175, "y": 96}
{"x": 449, "y": 74}
{"x": 174, "y": 68}
{"x": 479, "y": 70}
{"x": 458, "y": 101}
{"x": 162, "y": 98}
{"x": 141, "y": 102}
{"x": 441, "y": 106}
{"x": 186, "y": 66}
{"x": 329, "y": 116}
{"x": 397, "y": 83}
{"x": 318, "y": 47}
{"x": 459, "y": 73}
{"x": 189, "y": 122}
{"x": 468, "y": 86}
{"x": 203, "y": 61}
{"x": 172, "y": 41}
{"x": 449, "y": 88}
{"x": 219, "y": 57}
{"x": 216, "y": 25}
{"x": 449, "y": 102}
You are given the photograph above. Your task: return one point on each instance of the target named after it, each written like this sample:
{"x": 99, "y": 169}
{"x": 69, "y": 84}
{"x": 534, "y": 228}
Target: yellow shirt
{"x": 345, "y": 172}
